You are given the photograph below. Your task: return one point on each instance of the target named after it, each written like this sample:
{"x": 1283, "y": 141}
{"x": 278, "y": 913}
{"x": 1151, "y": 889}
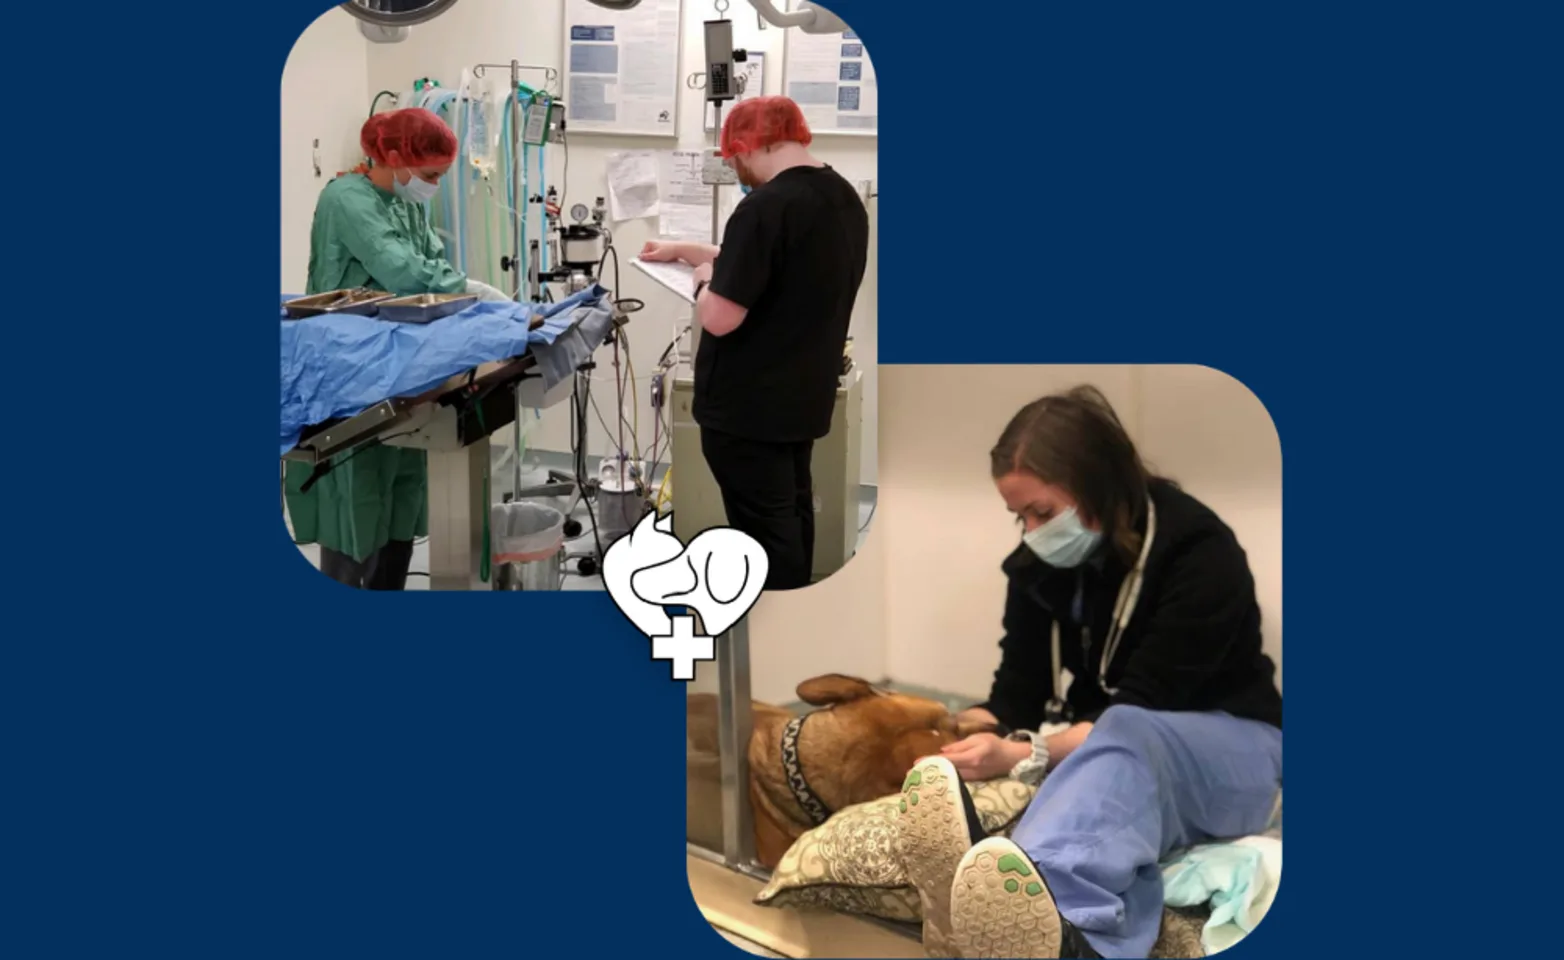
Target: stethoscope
{"x": 1123, "y": 609}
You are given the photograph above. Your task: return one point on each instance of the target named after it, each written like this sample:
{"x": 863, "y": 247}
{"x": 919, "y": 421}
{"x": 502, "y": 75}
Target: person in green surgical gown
{"x": 372, "y": 230}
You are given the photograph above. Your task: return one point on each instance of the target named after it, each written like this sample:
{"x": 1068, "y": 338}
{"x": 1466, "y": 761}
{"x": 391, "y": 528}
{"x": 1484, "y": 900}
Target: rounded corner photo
{"x": 1066, "y": 631}
{"x": 537, "y": 294}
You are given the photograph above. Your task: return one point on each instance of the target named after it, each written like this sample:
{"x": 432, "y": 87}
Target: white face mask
{"x": 415, "y": 190}
{"x": 1063, "y": 541}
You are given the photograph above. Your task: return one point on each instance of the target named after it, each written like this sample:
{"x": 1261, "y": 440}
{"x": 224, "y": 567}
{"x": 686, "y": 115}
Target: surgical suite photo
{"x": 553, "y": 268}
{"x": 1039, "y": 714}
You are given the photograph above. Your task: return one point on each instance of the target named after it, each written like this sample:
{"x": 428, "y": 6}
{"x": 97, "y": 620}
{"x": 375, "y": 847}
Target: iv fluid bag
{"x": 480, "y": 133}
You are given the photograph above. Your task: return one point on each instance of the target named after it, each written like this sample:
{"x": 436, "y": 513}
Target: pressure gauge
{"x": 579, "y": 213}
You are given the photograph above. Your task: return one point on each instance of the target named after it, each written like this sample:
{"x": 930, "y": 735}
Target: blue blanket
{"x": 338, "y": 366}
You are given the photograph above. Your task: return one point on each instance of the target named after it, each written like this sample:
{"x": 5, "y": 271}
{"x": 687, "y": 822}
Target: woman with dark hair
{"x": 1169, "y": 726}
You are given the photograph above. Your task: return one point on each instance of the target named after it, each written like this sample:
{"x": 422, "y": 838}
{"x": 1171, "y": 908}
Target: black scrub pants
{"x": 385, "y": 569}
{"x": 768, "y": 493}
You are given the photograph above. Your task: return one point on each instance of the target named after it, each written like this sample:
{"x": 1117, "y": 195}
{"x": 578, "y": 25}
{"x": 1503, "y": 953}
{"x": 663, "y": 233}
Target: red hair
{"x": 417, "y": 136}
{"x": 758, "y": 123}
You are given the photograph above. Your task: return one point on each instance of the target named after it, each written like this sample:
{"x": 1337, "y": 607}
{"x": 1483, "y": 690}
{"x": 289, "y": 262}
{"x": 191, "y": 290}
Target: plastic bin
{"x": 527, "y": 546}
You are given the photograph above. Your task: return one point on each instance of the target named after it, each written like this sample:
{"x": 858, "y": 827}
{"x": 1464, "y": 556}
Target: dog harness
{"x": 793, "y": 770}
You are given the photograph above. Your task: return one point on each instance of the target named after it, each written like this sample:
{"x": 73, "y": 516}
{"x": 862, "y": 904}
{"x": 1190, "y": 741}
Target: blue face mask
{"x": 1062, "y": 541}
{"x": 744, "y": 189}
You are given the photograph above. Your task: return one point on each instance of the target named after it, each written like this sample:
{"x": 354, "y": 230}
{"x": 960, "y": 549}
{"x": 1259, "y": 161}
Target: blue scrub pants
{"x": 1144, "y": 783}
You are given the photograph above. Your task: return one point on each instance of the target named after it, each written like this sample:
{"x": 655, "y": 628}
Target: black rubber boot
{"x": 1073, "y": 946}
{"x": 974, "y": 823}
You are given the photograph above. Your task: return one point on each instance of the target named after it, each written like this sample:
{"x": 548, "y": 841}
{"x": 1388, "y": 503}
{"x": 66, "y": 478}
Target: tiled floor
{"x": 577, "y": 547}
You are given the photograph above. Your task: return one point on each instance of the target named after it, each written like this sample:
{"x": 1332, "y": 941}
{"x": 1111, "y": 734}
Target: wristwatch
{"x": 1033, "y": 768}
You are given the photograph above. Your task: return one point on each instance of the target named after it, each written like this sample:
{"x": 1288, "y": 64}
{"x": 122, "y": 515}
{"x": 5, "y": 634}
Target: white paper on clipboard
{"x": 677, "y": 277}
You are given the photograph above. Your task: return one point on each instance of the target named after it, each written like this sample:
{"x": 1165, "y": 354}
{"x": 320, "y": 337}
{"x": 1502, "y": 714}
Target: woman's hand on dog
{"x": 984, "y": 756}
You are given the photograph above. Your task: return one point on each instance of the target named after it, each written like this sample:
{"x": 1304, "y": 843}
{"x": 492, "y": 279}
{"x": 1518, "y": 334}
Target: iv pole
{"x": 519, "y": 202}
{"x": 719, "y": 84}
{"x": 716, "y": 222}
{"x": 517, "y": 205}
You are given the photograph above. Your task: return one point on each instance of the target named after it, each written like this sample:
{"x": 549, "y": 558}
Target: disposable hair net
{"x": 757, "y": 124}
{"x": 417, "y": 136}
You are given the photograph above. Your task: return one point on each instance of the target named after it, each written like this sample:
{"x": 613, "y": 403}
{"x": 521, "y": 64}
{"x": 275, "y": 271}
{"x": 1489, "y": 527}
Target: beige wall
{"x": 532, "y": 31}
{"x": 835, "y": 626}
{"x": 928, "y": 579}
{"x": 325, "y": 97}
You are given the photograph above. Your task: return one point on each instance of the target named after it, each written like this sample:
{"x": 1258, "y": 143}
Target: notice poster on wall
{"x": 831, "y": 79}
{"x": 752, "y": 81}
{"x": 685, "y": 203}
{"x": 622, "y": 68}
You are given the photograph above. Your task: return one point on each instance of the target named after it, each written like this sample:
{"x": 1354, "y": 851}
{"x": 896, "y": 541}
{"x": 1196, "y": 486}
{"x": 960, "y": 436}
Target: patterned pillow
{"x": 848, "y": 863}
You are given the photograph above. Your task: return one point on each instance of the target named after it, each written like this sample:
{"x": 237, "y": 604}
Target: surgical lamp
{"x": 386, "y": 21}
{"x": 809, "y": 17}
{"x": 397, "y": 13}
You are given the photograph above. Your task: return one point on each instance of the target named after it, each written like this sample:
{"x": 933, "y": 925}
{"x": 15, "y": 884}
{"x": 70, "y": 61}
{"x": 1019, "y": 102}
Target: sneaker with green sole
{"x": 1000, "y": 906}
{"x": 931, "y": 837}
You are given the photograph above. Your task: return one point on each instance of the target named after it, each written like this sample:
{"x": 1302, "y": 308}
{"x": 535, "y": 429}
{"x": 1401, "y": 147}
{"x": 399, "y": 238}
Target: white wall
{"x": 325, "y": 97}
{"x": 943, "y": 531}
{"x": 497, "y": 31}
{"x": 838, "y": 625}
{"x": 1210, "y": 433}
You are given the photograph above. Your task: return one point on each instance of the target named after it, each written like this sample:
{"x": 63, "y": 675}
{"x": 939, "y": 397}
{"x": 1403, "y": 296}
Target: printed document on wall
{"x": 632, "y": 185}
{"x": 753, "y": 76}
{"x": 684, "y": 201}
{"x": 831, "y": 79}
{"x": 622, "y": 68}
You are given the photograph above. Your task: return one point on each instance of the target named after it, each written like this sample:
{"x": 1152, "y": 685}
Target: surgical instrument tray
{"x": 425, "y": 307}
{"x": 360, "y": 302}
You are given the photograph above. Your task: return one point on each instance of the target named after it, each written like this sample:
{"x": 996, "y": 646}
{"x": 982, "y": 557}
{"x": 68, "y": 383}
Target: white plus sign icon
{"x": 717, "y": 577}
{"x": 684, "y": 648}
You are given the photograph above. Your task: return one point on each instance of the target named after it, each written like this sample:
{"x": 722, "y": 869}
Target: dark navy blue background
{"x": 213, "y": 752}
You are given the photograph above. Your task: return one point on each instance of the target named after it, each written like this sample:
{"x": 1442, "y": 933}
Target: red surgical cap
{"x": 757, "y": 124}
{"x": 417, "y": 136}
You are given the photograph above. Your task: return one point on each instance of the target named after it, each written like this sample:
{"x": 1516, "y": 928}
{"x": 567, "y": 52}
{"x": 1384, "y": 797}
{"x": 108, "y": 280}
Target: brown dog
{"x": 857, "y": 748}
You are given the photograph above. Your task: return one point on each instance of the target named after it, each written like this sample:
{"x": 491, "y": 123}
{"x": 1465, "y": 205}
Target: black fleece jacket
{"x": 1192, "y": 644}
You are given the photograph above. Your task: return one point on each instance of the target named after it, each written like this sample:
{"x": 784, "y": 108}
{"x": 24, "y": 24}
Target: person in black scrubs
{"x": 774, "y": 303}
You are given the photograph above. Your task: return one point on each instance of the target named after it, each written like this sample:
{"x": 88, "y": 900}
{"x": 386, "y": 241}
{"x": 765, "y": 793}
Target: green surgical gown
{"x": 365, "y": 237}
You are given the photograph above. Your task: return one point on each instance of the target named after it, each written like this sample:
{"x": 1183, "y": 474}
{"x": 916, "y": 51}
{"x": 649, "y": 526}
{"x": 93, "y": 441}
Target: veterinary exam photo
{"x": 1039, "y": 714}
{"x": 552, "y": 266}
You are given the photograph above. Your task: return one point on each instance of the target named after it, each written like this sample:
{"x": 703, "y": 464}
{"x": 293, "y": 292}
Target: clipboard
{"x": 676, "y": 277}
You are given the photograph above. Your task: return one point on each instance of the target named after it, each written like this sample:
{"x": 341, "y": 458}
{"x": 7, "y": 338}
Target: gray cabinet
{"x": 697, "y": 505}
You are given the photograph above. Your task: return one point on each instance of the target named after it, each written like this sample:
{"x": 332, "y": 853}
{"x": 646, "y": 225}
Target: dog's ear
{"x": 833, "y": 688}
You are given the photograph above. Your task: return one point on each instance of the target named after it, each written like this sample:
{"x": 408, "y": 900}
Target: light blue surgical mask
{"x": 415, "y": 190}
{"x": 1062, "y": 541}
{"x": 744, "y": 189}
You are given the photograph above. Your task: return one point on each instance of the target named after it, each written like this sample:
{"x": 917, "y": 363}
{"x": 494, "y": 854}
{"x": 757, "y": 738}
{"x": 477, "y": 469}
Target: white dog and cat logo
{"x": 719, "y": 576}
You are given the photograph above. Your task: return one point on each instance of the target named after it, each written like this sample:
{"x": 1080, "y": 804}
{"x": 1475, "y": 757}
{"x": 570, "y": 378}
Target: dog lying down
{"x": 858, "y": 747}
